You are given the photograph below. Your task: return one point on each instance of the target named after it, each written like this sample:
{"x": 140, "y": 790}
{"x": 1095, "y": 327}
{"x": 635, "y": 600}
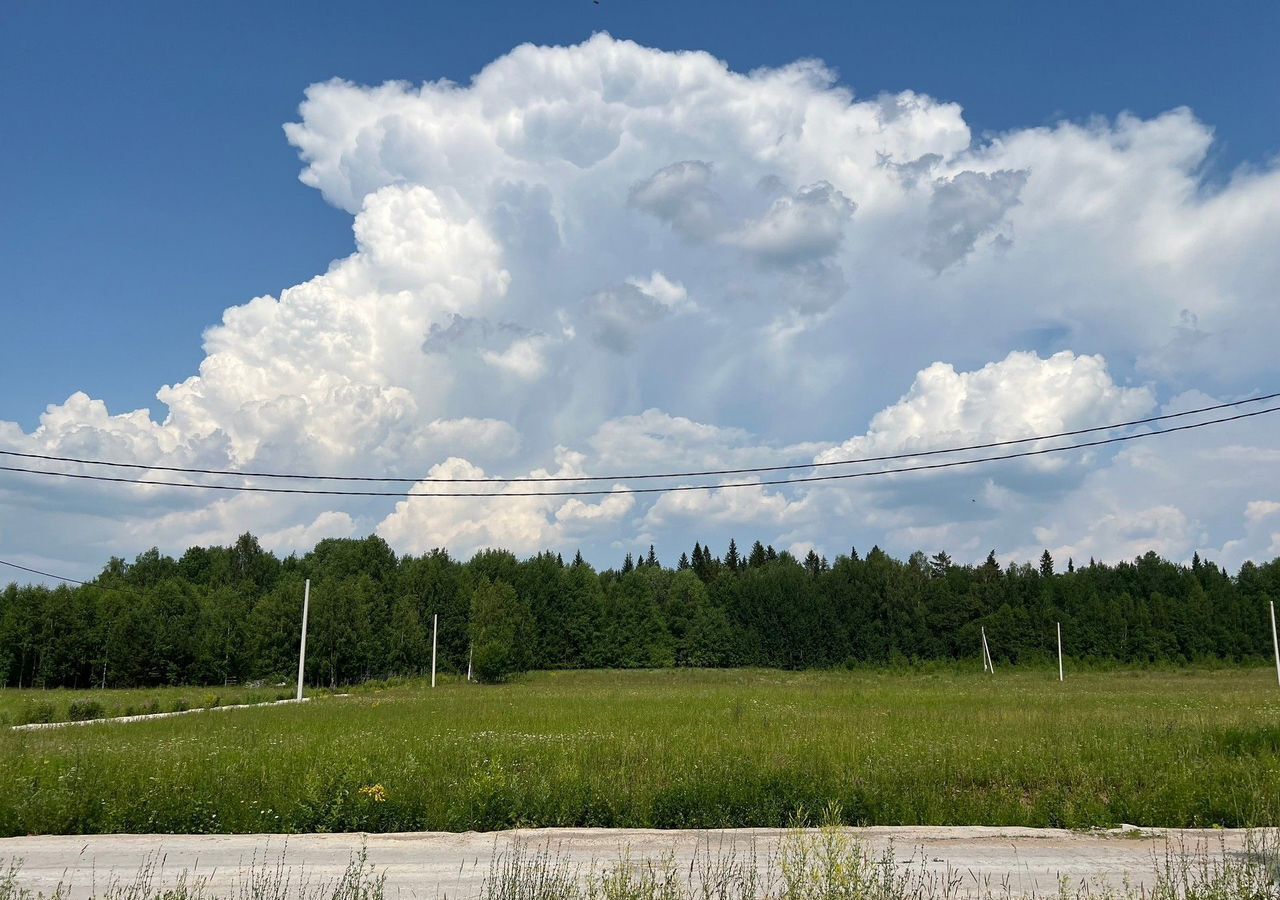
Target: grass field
{"x": 21, "y": 707}
{"x": 678, "y": 749}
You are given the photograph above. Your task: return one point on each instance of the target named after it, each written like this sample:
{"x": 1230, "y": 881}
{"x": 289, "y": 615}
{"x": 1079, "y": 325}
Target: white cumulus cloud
{"x": 658, "y": 262}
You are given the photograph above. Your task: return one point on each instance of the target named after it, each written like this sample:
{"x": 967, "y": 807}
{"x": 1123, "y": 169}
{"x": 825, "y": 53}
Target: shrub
{"x": 181, "y": 705}
{"x": 84, "y": 710}
{"x": 36, "y": 711}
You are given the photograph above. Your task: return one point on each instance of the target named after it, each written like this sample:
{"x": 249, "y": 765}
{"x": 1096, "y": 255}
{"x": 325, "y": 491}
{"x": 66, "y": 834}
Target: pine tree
{"x": 757, "y": 557}
{"x": 684, "y": 562}
{"x": 940, "y": 564}
{"x": 578, "y": 561}
{"x": 1046, "y": 564}
{"x": 628, "y": 564}
{"x": 992, "y": 562}
{"x": 731, "y": 560}
{"x": 770, "y": 555}
{"x": 652, "y": 558}
{"x": 812, "y": 564}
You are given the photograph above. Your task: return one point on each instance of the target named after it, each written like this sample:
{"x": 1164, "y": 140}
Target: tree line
{"x": 222, "y": 615}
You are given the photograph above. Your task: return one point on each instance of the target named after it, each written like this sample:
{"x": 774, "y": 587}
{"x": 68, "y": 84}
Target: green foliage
{"x": 36, "y": 711}
{"x": 498, "y": 631}
{"x": 83, "y": 710}
{"x": 221, "y": 616}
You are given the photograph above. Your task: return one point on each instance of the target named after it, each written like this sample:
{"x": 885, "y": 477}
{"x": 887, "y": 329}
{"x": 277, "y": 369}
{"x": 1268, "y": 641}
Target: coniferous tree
{"x": 1046, "y": 565}
{"x": 731, "y": 560}
{"x": 939, "y": 564}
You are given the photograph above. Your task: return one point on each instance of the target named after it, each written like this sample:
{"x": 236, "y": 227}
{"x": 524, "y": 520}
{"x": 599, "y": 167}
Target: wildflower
{"x": 375, "y": 792}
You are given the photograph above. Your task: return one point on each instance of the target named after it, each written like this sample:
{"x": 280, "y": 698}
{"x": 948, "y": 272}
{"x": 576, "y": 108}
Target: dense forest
{"x": 232, "y": 614}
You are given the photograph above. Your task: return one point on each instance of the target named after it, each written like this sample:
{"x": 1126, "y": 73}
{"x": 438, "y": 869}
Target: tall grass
{"x": 677, "y": 749}
{"x": 24, "y": 706}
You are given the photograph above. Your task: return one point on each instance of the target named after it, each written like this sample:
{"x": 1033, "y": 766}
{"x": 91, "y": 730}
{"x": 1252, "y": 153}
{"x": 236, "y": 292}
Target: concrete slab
{"x": 1016, "y": 862}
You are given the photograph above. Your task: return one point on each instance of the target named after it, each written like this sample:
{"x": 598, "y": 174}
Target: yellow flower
{"x": 375, "y": 792}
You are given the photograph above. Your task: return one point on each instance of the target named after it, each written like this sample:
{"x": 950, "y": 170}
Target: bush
{"x": 211, "y": 701}
{"x": 181, "y": 705}
{"x": 84, "y": 710}
{"x": 36, "y": 711}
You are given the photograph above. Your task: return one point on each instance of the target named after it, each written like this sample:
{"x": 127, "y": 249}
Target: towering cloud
{"x": 605, "y": 257}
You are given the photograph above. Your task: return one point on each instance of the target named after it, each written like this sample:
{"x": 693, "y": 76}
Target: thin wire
{"x": 655, "y": 475}
{"x": 653, "y": 490}
{"x": 44, "y": 574}
{"x": 124, "y": 589}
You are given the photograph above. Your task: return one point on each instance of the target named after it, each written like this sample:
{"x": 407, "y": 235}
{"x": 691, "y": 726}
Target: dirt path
{"x": 430, "y": 865}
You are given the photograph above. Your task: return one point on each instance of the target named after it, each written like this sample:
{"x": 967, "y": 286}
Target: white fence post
{"x": 435, "y": 622}
{"x": 1059, "y": 651}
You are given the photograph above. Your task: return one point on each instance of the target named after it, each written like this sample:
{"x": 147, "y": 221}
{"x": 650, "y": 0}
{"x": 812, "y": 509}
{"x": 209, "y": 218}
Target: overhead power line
{"x": 389, "y": 479}
{"x": 653, "y": 490}
{"x": 4, "y": 562}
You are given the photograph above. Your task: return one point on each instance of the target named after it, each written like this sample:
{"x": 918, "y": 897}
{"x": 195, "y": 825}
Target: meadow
{"x": 677, "y": 748}
{"x": 29, "y": 706}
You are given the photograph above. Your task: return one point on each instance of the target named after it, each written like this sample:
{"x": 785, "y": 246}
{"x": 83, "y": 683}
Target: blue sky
{"x": 147, "y": 185}
{"x": 826, "y": 230}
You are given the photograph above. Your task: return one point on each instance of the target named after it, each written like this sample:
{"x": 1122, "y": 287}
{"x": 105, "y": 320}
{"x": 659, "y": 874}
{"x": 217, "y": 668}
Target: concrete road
{"x": 433, "y": 865}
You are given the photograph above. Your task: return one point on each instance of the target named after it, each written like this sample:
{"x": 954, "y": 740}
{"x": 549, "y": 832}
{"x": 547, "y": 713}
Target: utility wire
{"x": 651, "y": 490}
{"x": 124, "y": 589}
{"x": 44, "y": 574}
{"x": 655, "y": 475}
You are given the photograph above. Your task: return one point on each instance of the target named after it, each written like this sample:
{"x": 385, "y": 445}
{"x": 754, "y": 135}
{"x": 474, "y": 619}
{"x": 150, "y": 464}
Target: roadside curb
{"x": 38, "y": 726}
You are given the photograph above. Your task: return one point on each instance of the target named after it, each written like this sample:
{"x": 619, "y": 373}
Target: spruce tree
{"x": 731, "y": 560}
{"x": 1046, "y": 564}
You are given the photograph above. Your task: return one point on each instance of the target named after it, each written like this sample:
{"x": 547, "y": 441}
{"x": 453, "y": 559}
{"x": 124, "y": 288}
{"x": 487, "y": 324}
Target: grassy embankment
{"x": 678, "y": 749}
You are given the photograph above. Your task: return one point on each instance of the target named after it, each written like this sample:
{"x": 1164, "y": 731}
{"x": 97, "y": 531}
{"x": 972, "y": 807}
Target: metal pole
{"x": 1275, "y": 642}
{"x": 1059, "y": 651}
{"x": 471, "y": 651}
{"x": 991, "y": 666}
{"x": 302, "y": 649}
{"x": 435, "y": 621}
